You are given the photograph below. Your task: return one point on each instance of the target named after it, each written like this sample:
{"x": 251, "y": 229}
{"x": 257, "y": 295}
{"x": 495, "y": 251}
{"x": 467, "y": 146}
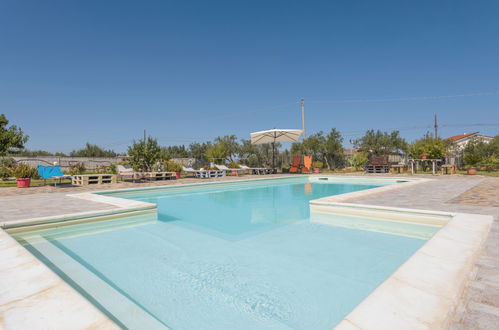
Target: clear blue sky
{"x": 102, "y": 71}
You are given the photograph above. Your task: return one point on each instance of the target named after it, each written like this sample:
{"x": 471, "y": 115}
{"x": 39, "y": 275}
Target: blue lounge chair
{"x": 52, "y": 172}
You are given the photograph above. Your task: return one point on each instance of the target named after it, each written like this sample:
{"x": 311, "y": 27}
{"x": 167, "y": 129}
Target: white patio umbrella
{"x": 275, "y": 135}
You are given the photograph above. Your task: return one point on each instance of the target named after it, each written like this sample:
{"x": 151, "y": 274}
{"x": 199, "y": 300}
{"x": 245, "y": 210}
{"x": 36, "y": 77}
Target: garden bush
{"x": 112, "y": 169}
{"x": 358, "y": 160}
{"x": 6, "y": 163}
{"x": 317, "y": 164}
{"x": 233, "y": 165}
{"x": 78, "y": 168}
{"x": 173, "y": 167}
{"x": 24, "y": 171}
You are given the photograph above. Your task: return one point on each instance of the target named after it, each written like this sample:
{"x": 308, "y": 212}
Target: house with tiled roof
{"x": 459, "y": 142}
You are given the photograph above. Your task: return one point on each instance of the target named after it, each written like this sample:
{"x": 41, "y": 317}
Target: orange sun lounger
{"x": 296, "y": 164}
{"x": 307, "y": 164}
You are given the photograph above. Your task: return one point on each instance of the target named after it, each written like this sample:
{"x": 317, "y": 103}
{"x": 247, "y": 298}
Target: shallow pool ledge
{"x": 424, "y": 292}
{"x": 120, "y": 206}
{"x": 32, "y": 296}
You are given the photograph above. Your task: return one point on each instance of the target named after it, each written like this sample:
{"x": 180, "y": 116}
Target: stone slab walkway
{"x": 479, "y": 306}
{"x": 45, "y": 205}
{"x": 484, "y": 194}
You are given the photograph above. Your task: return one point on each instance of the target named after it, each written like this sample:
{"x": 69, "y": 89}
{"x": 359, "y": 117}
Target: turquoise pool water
{"x": 242, "y": 256}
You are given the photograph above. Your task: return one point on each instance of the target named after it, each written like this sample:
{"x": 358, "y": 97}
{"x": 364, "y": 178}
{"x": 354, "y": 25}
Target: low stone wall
{"x": 90, "y": 163}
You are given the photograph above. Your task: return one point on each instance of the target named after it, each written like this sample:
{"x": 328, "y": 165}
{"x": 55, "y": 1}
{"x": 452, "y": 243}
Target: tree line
{"x": 326, "y": 148}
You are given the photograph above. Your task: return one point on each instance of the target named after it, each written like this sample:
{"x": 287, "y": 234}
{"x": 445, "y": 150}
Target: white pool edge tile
{"x": 424, "y": 292}
{"x": 43, "y": 300}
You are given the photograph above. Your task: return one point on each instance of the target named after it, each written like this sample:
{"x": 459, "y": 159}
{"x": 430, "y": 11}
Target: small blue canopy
{"x": 47, "y": 172}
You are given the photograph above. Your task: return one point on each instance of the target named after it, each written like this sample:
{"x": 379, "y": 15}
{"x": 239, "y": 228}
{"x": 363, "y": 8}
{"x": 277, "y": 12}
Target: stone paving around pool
{"x": 484, "y": 194}
{"x": 479, "y": 308}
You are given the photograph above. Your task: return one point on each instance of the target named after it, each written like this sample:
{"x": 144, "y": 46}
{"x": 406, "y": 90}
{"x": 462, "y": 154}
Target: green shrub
{"x": 112, "y": 169}
{"x": 317, "y": 164}
{"x": 432, "y": 148}
{"x": 24, "y": 171}
{"x": 233, "y": 165}
{"x": 358, "y": 160}
{"x": 472, "y": 159}
{"x": 144, "y": 155}
{"x": 491, "y": 163}
{"x": 78, "y": 168}
{"x": 6, "y": 163}
{"x": 5, "y": 173}
{"x": 173, "y": 167}
{"x": 101, "y": 169}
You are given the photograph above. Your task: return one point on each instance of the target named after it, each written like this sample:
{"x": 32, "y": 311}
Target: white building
{"x": 459, "y": 142}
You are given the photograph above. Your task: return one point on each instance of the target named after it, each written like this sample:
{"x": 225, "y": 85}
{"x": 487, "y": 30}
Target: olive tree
{"x": 433, "y": 148}
{"x": 380, "y": 143}
{"x": 143, "y": 155}
{"x": 12, "y": 139}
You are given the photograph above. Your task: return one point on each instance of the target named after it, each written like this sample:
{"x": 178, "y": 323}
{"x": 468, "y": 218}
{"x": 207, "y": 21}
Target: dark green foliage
{"x": 112, "y": 169}
{"x": 479, "y": 152}
{"x": 24, "y": 171}
{"x": 174, "y": 152}
{"x": 380, "y": 143}
{"x": 358, "y": 160}
{"x": 34, "y": 153}
{"x": 433, "y": 148}
{"x": 144, "y": 155}
{"x": 173, "y": 167}
{"x": 325, "y": 148}
{"x": 92, "y": 150}
{"x": 12, "y": 139}
{"x": 6, "y": 163}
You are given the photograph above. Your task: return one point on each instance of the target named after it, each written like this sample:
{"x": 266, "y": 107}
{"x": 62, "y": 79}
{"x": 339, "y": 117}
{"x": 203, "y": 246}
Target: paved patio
{"x": 479, "y": 308}
{"x": 480, "y": 303}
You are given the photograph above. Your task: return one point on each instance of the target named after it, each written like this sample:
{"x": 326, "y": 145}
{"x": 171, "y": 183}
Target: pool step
{"x": 113, "y": 303}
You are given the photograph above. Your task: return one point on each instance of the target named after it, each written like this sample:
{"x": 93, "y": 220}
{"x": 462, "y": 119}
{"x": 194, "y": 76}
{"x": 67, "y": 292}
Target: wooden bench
{"x": 154, "y": 176}
{"x": 88, "y": 179}
{"x": 400, "y": 168}
{"x": 378, "y": 164}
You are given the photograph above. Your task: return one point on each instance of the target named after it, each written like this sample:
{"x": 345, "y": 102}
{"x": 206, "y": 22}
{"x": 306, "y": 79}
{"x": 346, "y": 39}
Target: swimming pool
{"x": 243, "y": 255}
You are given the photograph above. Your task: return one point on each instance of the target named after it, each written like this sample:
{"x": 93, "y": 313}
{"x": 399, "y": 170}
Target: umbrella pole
{"x": 273, "y": 155}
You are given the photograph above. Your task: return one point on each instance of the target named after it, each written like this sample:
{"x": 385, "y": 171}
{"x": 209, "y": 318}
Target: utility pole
{"x": 302, "y": 101}
{"x": 144, "y": 136}
{"x": 435, "y": 126}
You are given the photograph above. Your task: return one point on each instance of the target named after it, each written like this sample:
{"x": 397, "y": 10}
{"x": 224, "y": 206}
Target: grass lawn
{"x": 487, "y": 173}
{"x": 34, "y": 183}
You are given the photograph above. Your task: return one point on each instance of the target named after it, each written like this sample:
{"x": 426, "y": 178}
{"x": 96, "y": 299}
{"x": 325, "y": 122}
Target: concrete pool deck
{"x": 478, "y": 306}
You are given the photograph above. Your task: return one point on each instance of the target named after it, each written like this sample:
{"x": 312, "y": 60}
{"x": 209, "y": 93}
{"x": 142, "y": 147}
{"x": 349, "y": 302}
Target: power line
{"x": 414, "y": 98}
{"x": 246, "y": 112}
{"x": 470, "y": 125}
{"x": 408, "y": 128}
{"x": 361, "y": 100}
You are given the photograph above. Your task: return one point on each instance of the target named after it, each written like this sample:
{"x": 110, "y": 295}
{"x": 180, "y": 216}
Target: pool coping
{"x": 381, "y": 309}
{"x": 423, "y": 292}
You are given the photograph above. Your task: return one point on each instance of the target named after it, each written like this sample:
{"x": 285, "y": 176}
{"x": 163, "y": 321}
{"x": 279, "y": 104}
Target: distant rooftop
{"x": 461, "y": 136}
